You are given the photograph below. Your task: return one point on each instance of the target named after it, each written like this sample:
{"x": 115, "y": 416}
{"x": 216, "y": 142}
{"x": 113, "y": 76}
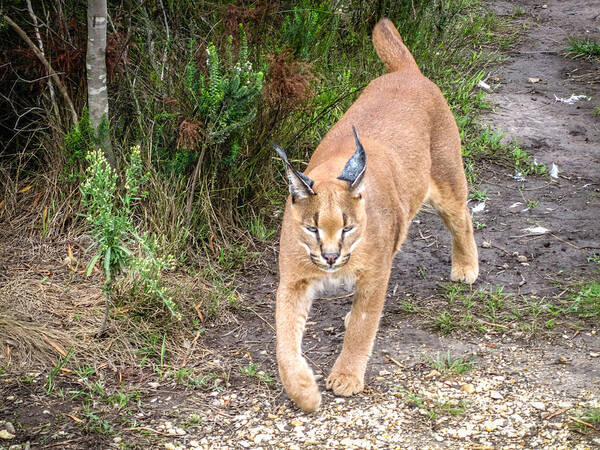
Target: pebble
{"x": 539, "y": 406}
{"x": 4, "y": 434}
{"x": 522, "y": 258}
{"x": 485, "y": 244}
{"x": 468, "y": 388}
{"x": 496, "y": 395}
{"x": 9, "y": 427}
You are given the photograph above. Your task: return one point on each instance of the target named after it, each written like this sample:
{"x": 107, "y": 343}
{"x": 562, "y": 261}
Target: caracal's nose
{"x": 331, "y": 257}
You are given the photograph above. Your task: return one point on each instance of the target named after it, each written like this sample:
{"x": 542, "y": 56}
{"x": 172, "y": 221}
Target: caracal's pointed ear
{"x": 354, "y": 170}
{"x": 300, "y": 184}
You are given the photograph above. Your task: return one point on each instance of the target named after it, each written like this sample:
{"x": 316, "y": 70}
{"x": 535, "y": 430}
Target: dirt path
{"x": 521, "y": 371}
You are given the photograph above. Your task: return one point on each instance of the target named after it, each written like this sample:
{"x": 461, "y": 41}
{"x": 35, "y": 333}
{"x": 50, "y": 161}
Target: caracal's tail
{"x": 390, "y": 48}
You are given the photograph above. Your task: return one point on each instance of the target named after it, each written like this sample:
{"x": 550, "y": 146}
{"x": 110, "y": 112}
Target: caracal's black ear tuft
{"x": 300, "y": 184}
{"x": 354, "y": 170}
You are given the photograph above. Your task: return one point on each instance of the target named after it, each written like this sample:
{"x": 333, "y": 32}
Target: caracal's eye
{"x": 312, "y": 229}
{"x": 348, "y": 229}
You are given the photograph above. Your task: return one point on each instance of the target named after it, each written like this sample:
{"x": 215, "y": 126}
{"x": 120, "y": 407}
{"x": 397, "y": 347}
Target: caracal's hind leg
{"x": 457, "y": 218}
{"x": 448, "y": 193}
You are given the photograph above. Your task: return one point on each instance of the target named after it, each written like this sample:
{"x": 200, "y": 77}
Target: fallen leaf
{"x": 432, "y": 374}
{"x": 25, "y": 189}
{"x": 75, "y": 418}
{"x": 54, "y": 345}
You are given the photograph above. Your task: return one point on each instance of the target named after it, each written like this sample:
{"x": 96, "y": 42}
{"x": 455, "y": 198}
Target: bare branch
{"x": 42, "y": 58}
{"x": 41, "y": 45}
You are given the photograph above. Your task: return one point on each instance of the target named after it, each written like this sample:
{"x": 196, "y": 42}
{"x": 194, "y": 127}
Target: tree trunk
{"x": 96, "y": 76}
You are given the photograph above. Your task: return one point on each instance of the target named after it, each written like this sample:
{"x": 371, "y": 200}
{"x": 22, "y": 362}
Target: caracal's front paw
{"x": 465, "y": 274}
{"x": 345, "y": 383}
{"x": 303, "y": 390}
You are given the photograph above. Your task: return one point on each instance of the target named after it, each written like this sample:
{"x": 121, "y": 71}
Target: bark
{"x": 96, "y": 75}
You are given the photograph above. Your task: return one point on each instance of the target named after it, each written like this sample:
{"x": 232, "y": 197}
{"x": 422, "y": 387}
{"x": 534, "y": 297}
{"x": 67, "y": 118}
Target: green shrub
{"x": 79, "y": 142}
{"x": 118, "y": 244}
{"x": 226, "y": 99}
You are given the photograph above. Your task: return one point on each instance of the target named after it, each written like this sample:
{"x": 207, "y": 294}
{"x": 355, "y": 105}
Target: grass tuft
{"x": 583, "y": 48}
{"x": 446, "y": 364}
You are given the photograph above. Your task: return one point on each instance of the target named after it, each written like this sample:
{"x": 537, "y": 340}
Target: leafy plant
{"x": 586, "y": 301}
{"x": 111, "y": 219}
{"x": 300, "y": 30}
{"x": 79, "y": 142}
{"x": 251, "y": 370}
{"x": 226, "y": 98}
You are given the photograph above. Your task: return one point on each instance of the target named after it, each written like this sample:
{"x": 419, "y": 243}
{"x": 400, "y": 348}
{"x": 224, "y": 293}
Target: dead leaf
{"x": 25, "y": 189}
{"x": 75, "y": 418}
{"x": 54, "y": 345}
{"x": 37, "y": 199}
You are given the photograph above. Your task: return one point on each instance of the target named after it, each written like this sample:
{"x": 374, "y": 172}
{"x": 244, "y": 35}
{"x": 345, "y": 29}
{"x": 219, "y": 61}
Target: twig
{"x": 42, "y": 58}
{"x": 582, "y": 422}
{"x": 566, "y": 242}
{"x": 191, "y": 349}
{"x": 398, "y": 363}
{"x": 337, "y": 298}
{"x": 149, "y": 429}
{"x": 164, "y": 58}
{"x": 494, "y": 324}
{"x": 556, "y": 413}
{"x": 55, "y": 346}
{"x": 500, "y": 248}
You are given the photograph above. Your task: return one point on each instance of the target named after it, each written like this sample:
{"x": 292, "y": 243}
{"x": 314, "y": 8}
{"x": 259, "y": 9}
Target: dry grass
{"x": 53, "y": 308}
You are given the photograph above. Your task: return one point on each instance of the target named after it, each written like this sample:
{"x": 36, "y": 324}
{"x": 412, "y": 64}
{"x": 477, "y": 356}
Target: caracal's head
{"x": 328, "y": 214}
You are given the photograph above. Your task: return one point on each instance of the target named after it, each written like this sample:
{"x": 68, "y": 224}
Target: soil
{"x": 533, "y": 374}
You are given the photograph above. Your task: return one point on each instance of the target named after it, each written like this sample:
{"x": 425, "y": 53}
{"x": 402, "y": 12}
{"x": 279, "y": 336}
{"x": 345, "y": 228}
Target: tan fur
{"x": 413, "y": 155}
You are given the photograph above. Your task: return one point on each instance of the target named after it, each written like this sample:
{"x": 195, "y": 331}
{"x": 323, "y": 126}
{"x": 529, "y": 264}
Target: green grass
{"x": 55, "y": 371}
{"x": 252, "y": 371}
{"x": 465, "y": 309}
{"x": 446, "y": 364}
{"x": 583, "y": 48}
{"x": 588, "y": 420}
{"x": 592, "y": 416}
{"x": 479, "y": 196}
{"x": 518, "y": 11}
{"x": 586, "y": 300}
{"x": 434, "y": 408}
